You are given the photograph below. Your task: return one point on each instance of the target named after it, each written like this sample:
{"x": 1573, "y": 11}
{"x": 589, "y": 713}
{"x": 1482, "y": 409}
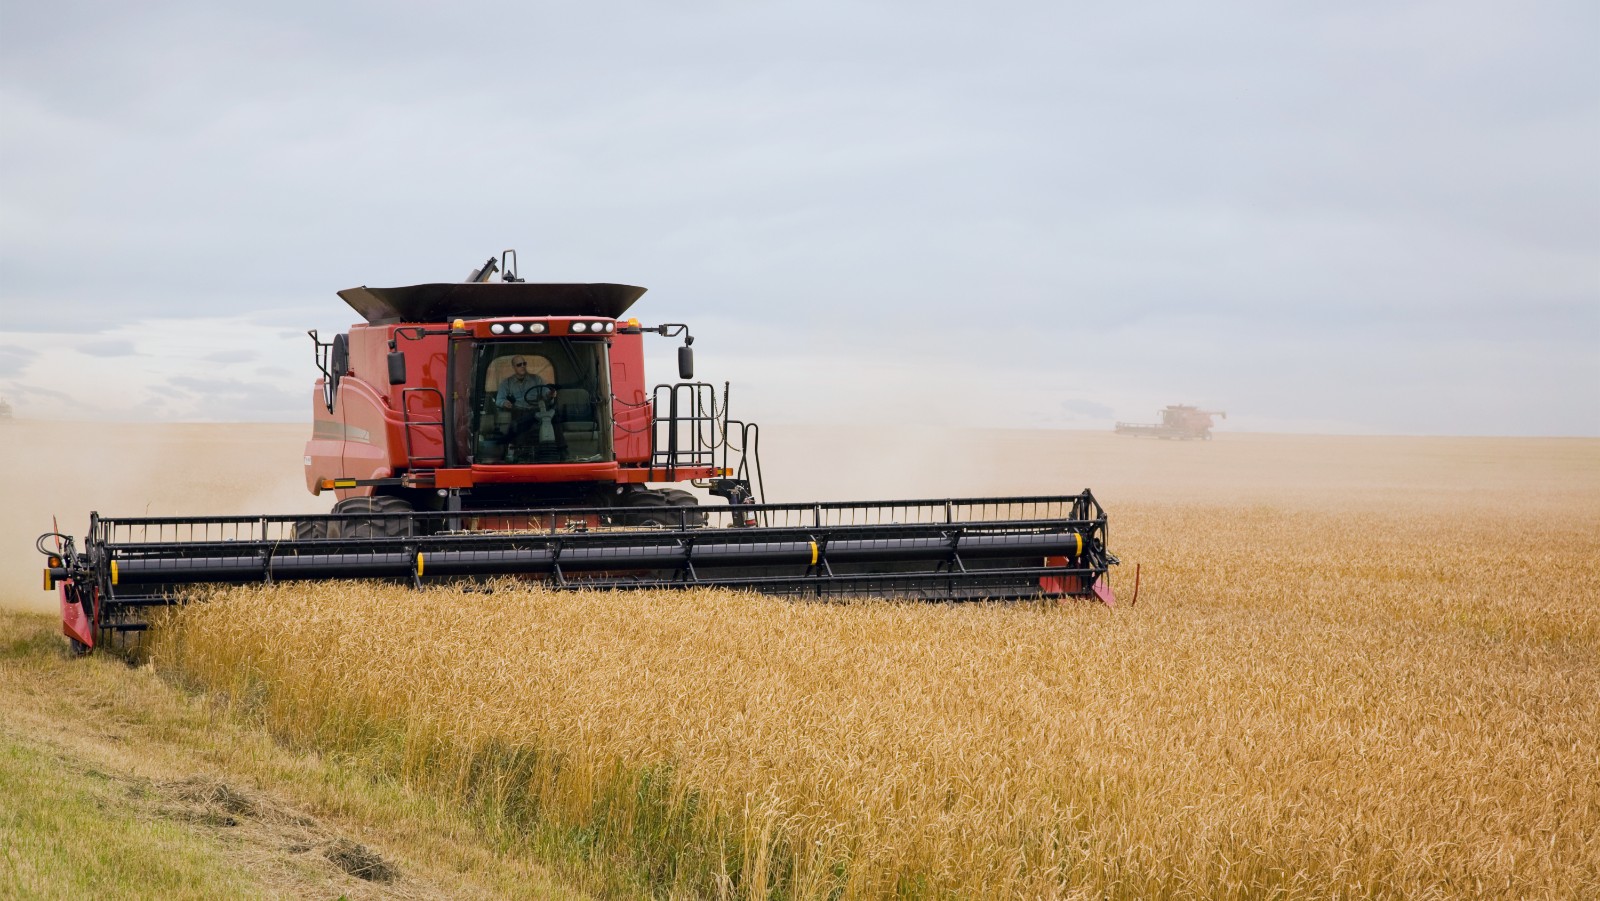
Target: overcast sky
{"x": 1354, "y": 217}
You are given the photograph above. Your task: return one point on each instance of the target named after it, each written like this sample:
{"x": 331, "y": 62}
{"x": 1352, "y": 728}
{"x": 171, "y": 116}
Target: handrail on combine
{"x": 409, "y": 425}
{"x": 686, "y": 427}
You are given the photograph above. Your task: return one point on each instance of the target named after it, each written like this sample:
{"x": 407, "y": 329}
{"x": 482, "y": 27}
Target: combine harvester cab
{"x": 500, "y": 428}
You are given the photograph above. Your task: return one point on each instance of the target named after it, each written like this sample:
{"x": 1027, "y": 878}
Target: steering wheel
{"x": 533, "y": 395}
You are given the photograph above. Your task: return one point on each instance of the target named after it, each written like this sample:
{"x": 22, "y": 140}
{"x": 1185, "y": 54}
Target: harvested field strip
{"x": 1303, "y": 704}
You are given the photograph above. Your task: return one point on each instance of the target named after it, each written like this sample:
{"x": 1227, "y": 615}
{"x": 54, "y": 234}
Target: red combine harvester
{"x": 1177, "y": 421}
{"x": 502, "y": 428}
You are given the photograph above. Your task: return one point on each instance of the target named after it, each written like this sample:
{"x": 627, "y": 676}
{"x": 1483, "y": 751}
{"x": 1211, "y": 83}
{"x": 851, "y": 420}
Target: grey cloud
{"x": 27, "y": 392}
{"x": 1077, "y": 408}
{"x": 232, "y": 400}
{"x": 109, "y": 348}
{"x": 231, "y": 356}
{"x": 13, "y": 360}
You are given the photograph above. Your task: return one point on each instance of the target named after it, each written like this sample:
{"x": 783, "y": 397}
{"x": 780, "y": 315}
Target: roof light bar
{"x": 580, "y": 327}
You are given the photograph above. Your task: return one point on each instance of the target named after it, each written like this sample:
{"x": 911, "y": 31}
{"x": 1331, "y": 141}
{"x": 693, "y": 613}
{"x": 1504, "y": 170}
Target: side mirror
{"x": 686, "y": 363}
{"x": 397, "y": 368}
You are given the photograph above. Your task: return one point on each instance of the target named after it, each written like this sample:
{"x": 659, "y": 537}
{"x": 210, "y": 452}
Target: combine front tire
{"x": 679, "y": 498}
{"x": 664, "y": 509}
{"x": 310, "y": 530}
{"x": 375, "y": 527}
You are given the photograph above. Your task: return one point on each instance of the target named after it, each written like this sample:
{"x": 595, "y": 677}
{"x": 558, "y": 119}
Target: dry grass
{"x": 1305, "y": 703}
{"x": 115, "y": 785}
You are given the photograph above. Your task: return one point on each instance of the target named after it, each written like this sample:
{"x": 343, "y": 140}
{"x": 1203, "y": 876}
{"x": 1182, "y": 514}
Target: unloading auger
{"x": 503, "y": 429}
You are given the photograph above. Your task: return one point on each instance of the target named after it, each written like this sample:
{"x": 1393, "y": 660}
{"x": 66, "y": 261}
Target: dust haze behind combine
{"x": 71, "y": 468}
{"x": 68, "y": 469}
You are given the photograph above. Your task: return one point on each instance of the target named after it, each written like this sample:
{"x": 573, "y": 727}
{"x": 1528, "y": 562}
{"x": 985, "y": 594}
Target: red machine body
{"x": 376, "y": 431}
{"x": 414, "y": 403}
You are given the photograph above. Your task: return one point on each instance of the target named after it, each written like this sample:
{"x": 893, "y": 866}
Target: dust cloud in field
{"x": 68, "y": 469}
{"x": 1292, "y": 471}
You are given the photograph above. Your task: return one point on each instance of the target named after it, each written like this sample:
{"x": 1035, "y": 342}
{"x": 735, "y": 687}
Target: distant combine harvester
{"x": 1178, "y": 421}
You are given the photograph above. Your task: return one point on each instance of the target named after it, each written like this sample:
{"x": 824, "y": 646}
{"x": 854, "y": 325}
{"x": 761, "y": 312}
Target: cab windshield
{"x": 545, "y": 401}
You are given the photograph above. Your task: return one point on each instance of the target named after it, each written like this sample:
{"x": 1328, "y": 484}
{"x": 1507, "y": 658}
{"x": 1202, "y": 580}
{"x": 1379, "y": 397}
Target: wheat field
{"x": 1359, "y": 668}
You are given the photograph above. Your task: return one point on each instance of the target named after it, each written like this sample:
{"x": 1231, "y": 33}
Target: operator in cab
{"x": 517, "y": 391}
{"x": 531, "y": 400}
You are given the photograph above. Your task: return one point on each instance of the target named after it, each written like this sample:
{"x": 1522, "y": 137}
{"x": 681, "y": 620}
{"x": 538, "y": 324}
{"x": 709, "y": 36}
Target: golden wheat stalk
{"x": 1292, "y": 710}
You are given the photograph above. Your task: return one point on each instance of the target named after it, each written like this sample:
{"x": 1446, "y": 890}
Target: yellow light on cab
{"x": 459, "y": 324}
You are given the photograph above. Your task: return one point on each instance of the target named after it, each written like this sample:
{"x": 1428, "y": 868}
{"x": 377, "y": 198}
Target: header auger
{"x": 504, "y": 429}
